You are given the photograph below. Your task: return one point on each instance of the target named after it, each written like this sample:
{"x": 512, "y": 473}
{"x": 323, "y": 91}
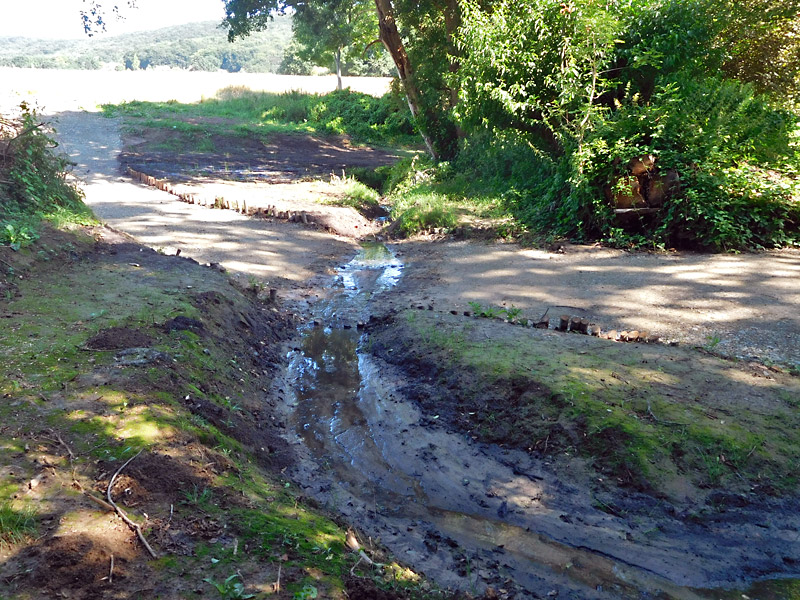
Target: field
{"x": 59, "y": 90}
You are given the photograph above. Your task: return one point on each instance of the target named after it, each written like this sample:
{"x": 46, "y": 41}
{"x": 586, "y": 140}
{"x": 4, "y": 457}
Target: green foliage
{"x": 325, "y": 29}
{"x": 15, "y": 525}
{"x": 307, "y": 593}
{"x": 200, "y": 46}
{"x": 489, "y": 312}
{"x": 357, "y": 195}
{"x": 727, "y": 144}
{"x": 423, "y": 209}
{"x": 559, "y": 101}
{"x": 230, "y": 588}
{"x": 364, "y": 118}
{"x": 18, "y": 234}
{"x": 33, "y": 182}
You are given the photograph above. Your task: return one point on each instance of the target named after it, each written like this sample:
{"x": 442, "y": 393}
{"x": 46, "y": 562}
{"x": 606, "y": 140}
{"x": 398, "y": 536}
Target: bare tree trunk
{"x": 390, "y": 37}
{"x": 338, "y": 60}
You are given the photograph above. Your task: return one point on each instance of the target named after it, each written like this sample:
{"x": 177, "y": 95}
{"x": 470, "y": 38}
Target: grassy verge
{"x": 109, "y": 350}
{"x": 242, "y": 112}
{"x": 656, "y": 418}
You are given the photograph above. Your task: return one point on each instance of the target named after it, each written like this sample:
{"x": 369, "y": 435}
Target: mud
{"x": 475, "y": 516}
{"x": 281, "y": 159}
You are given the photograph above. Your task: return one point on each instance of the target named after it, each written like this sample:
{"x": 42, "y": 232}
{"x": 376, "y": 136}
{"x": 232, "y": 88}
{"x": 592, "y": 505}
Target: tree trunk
{"x": 452, "y": 22}
{"x": 338, "y": 60}
{"x": 390, "y": 37}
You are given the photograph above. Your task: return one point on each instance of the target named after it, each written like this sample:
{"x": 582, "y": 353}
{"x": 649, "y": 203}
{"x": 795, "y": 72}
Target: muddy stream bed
{"x": 470, "y": 515}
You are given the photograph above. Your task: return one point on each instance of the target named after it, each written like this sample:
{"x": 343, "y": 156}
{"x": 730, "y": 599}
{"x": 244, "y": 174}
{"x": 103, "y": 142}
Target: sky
{"x": 60, "y": 19}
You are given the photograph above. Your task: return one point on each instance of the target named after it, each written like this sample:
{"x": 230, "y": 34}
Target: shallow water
{"x": 466, "y": 514}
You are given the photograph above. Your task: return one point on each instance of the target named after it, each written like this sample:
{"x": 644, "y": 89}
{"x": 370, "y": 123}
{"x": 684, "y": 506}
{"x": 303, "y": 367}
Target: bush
{"x": 33, "y": 180}
{"x": 731, "y": 149}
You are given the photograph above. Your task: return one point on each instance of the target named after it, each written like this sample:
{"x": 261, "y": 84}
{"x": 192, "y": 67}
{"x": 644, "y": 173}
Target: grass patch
{"x": 353, "y": 193}
{"x": 579, "y": 395}
{"x": 364, "y": 118}
{"x": 16, "y": 525}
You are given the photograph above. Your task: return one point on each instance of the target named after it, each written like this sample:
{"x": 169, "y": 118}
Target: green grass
{"x": 382, "y": 121}
{"x": 621, "y": 412}
{"x": 16, "y": 525}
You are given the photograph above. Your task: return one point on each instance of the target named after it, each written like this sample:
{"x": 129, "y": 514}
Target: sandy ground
{"x": 743, "y": 305}
{"x": 274, "y": 253}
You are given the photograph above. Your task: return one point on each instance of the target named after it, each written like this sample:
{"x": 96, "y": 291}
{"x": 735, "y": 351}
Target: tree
{"x": 429, "y": 26}
{"x": 328, "y": 27}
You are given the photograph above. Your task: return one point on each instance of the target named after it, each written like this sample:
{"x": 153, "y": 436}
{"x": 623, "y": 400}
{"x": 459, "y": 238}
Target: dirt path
{"x": 742, "y": 305}
{"x": 283, "y": 254}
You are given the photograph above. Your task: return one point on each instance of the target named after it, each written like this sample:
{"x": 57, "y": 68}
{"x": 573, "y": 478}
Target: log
{"x": 632, "y": 336}
{"x": 543, "y": 323}
{"x": 304, "y": 217}
{"x": 584, "y": 326}
{"x": 244, "y": 207}
{"x": 593, "y": 330}
{"x": 575, "y": 324}
{"x": 563, "y": 322}
{"x": 273, "y": 294}
{"x": 612, "y": 335}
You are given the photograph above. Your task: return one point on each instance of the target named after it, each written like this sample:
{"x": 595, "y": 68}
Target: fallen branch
{"x": 99, "y": 501}
{"x": 134, "y": 526}
{"x": 276, "y": 587}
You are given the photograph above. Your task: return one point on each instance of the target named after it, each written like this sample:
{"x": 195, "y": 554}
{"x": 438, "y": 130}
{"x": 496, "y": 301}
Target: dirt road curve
{"x": 742, "y": 305}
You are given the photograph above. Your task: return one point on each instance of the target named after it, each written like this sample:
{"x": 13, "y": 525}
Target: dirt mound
{"x": 119, "y": 338}
{"x": 77, "y": 565}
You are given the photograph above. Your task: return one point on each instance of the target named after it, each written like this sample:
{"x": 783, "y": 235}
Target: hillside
{"x": 199, "y": 46}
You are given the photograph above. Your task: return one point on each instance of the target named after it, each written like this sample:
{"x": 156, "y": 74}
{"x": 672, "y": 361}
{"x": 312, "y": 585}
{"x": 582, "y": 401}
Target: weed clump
{"x": 33, "y": 184}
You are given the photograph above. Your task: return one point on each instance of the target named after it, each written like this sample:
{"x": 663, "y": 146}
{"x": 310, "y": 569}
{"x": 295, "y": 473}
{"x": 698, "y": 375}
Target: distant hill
{"x": 198, "y": 46}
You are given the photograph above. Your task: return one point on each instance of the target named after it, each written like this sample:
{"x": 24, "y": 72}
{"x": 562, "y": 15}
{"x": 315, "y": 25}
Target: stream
{"x": 470, "y": 515}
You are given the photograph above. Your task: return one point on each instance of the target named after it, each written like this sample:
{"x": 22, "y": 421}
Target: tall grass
{"x": 364, "y": 118}
{"x": 15, "y": 525}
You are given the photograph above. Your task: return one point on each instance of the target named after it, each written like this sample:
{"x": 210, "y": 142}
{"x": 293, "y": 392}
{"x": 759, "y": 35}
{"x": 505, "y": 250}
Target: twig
{"x": 111, "y": 571}
{"x": 134, "y": 526}
{"x": 63, "y": 443}
{"x": 657, "y": 420}
{"x": 99, "y": 501}
{"x": 278, "y": 583}
{"x": 6, "y": 264}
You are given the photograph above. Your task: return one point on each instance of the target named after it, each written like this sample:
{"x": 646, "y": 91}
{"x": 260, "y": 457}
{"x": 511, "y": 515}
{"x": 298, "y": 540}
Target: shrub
{"x": 32, "y": 180}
